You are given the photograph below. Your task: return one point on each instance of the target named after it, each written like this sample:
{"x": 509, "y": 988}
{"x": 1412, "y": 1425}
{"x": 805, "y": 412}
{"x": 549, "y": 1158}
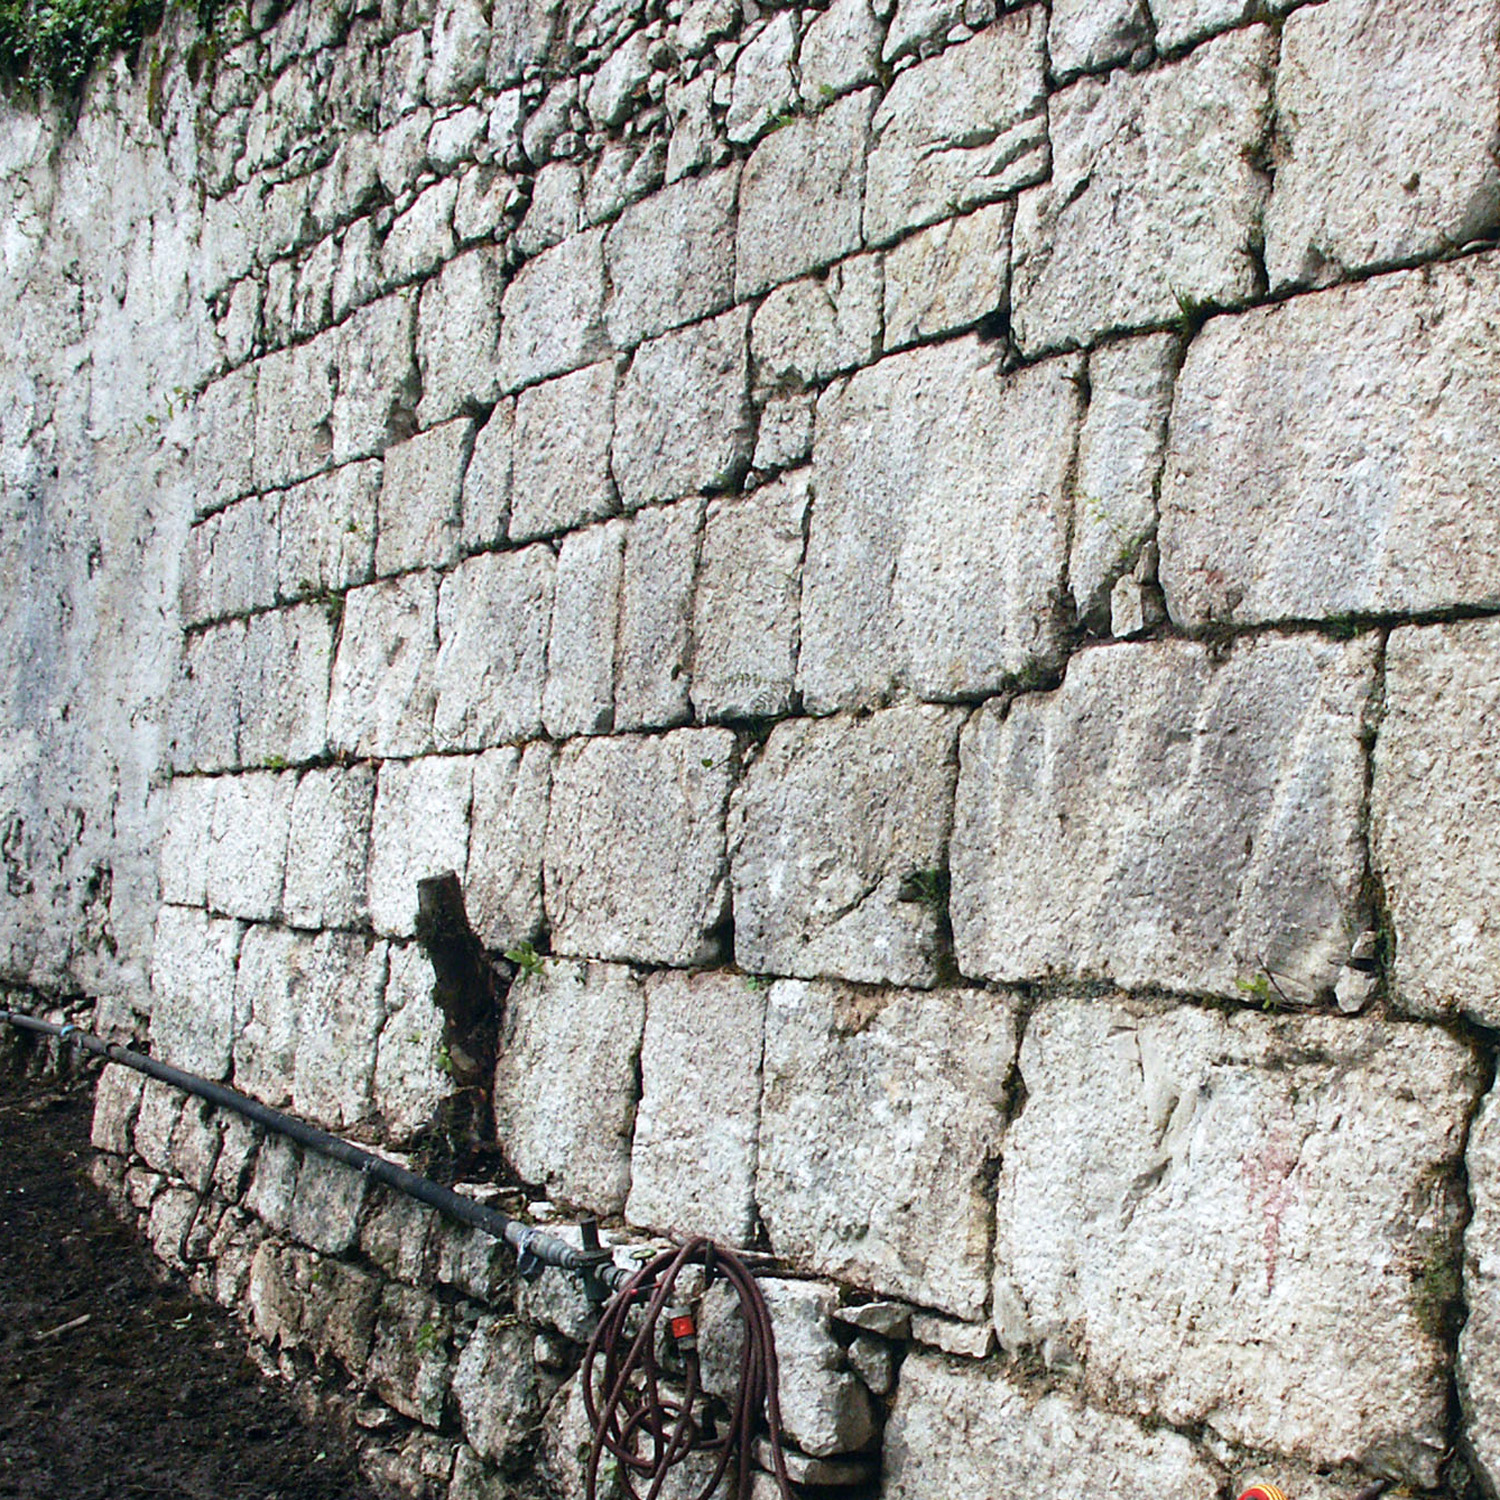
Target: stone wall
{"x": 935, "y": 575}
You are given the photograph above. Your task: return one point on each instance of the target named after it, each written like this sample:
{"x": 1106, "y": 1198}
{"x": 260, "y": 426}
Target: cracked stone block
{"x": 1164, "y": 820}
{"x": 1120, "y": 450}
{"x": 117, "y": 1098}
{"x": 948, "y": 276}
{"x": 379, "y": 381}
{"x": 938, "y": 537}
{"x": 458, "y": 334}
{"x": 420, "y": 829}
{"x": 746, "y": 613}
{"x": 800, "y": 196}
{"x": 840, "y": 51}
{"x": 459, "y": 50}
{"x": 960, "y": 130}
{"x": 1233, "y": 1219}
{"x": 1386, "y": 146}
{"x": 785, "y": 434}
{"x": 670, "y": 258}
{"x": 985, "y": 1435}
{"x": 1478, "y": 1368}
{"x": 327, "y": 535}
{"x": 1087, "y": 36}
{"x": 294, "y": 396}
{"x": 832, "y": 835}
{"x": 411, "y": 1363}
{"x": 328, "y": 848}
{"x": 653, "y": 667}
{"x": 1154, "y": 202}
{"x": 1320, "y": 496}
{"x": 248, "y": 839}
{"x": 919, "y": 26}
{"x": 565, "y": 1084}
{"x": 507, "y": 834}
{"x": 683, "y": 415}
{"x": 805, "y": 332}
{"x": 186, "y": 840}
{"x": 421, "y": 238}
{"x": 635, "y": 867}
{"x": 553, "y": 313}
{"x": 580, "y": 692}
{"x": 420, "y": 499}
{"x": 494, "y": 618}
{"x": 495, "y": 1388}
{"x": 283, "y": 686}
{"x": 488, "y": 481}
{"x": 193, "y": 1016}
{"x": 561, "y": 472}
{"x": 692, "y": 1169}
{"x": 912, "y": 1087}
{"x": 1435, "y": 813}
{"x": 384, "y": 687}
{"x": 408, "y": 1085}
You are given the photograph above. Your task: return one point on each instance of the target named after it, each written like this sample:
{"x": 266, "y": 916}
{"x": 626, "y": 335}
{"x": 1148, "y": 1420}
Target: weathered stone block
{"x": 1386, "y": 148}
{"x": 411, "y": 1362}
{"x": 458, "y": 333}
{"x": 561, "y": 472}
{"x": 1229, "y": 1218}
{"x": 203, "y": 713}
{"x": 1181, "y": 22}
{"x": 419, "y": 499}
{"x": 283, "y": 686}
{"x": 565, "y": 1089}
{"x": 800, "y": 196}
{"x": 972, "y": 1432}
{"x": 912, "y": 1086}
{"x": 507, "y": 834}
{"x": 156, "y": 1118}
{"x": 804, "y": 332}
{"x": 965, "y": 128}
{"x": 420, "y": 828}
{"x": 1086, "y": 36}
{"x": 671, "y": 258}
{"x": 327, "y": 537}
{"x": 381, "y": 700}
{"x": 1164, "y": 820}
{"x": 494, "y": 617}
{"x": 652, "y": 668}
{"x": 421, "y": 239}
{"x": 117, "y": 1098}
{"x": 229, "y": 564}
{"x": 840, "y": 51}
{"x": 378, "y": 382}
{"x": 746, "y": 613}
{"x": 683, "y": 415}
{"x": 1478, "y": 1370}
{"x": 635, "y": 865}
{"x": 266, "y": 1002}
{"x": 294, "y": 395}
{"x": 458, "y": 50}
{"x": 1435, "y": 812}
{"x": 948, "y": 277}
{"x": 933, "y": 472}
{"x": 764, "y": 81}
{"x": 248, "y": 838}
{"x": 186, "y": 840}
{"x": 224, "y": 451}
{"x": 692, "y": 1170}
{"x": 495, "y": 1386}
{"x": 193, "y": 1017}
{"x": 328, "y": 848}
{"x": 1119, "y": 462}
{"x": 324, "y": 1212}
{"x": 408, "y": 1083}
{"x": 1319, "y": 495}
{"x": 1139, "y": 218}
{"x": 487, "y": 483}
{"x": 579, "y": 696}
{"x": 553, "y": 313}
{"x": 785, "y": 435}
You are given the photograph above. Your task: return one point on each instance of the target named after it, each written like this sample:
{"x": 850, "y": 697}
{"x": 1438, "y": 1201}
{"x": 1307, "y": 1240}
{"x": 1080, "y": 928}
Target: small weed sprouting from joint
{"x": 928, "y": 887}
{"x": 529, "y": 963}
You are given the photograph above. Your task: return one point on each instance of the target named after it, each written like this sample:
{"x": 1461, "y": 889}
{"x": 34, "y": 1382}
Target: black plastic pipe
{"x": 534, "y": 1247}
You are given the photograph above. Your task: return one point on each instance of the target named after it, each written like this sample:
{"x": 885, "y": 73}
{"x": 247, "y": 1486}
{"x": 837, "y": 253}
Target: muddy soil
{"x": 150, "y": 1396}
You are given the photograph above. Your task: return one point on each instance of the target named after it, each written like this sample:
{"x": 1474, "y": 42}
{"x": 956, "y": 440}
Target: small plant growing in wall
{"x": 526, "y": 959}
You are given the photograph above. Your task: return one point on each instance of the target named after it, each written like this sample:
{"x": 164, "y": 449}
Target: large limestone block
{"x": 507, "y": 833}
{"x": 938, "y": 536}
{"x": 565, "y": 1090}
{"x": 964, "y": 128}
{"x": 327, "y": 533}
{"x": 1235, "y": 1219}
{"x": 635, "y": 865}
{"x": 692, "y": 1168}
{"x": 764, "y": 85}
{"x": 1154, "y": 201}
{"x": 247, "y": 843}
{"x": 186, "y": 840}
{"x": 560, "y": 473}
{"x": 579, "y": 696}
{"x": 683, "y": 419}
{"x": 881, "y": 1119}
{"x": 801, "y": 196}
{"x": 419, "y": 499}
{"x": 203, "y": 713}
{"x": 193, "y": 1016}
{"x": 811, "y": 329}
{"x": 948, "y": 276}
{"x": 1386, "y": 141}
{"x": 1435, "y": 816}
{"x": 283, "y": 686}
{"x": 840, "y": 51}
{"x": 229, "y": 563}
{"x": 837, "y": 841}
{"x": 553, "y": 313}
{"x": 1298, "y": 483}
{"x": 671, "y": 258}
{"x": 488, "y": 481}
{"x": 1479, "y": 1346}
{"x": 1166, "y": 820}
{"x": 494, "y": 616}
{"x": 652, "y": 676}
{"x": 381, "y": 700}
{"x": 328, "y": 848}
{"x": 749, "y": 585}
{"x": 294, "y": 396}
{"x": 409, "y": 1084}
{"x": 458, "y": 334}
{"x": 224, "y": 451}
{"x": 378, "y": 378}
{"x": 420, "y": 829}
{"x": 965, "y": 1431}
{"x": 1085, "y": 36}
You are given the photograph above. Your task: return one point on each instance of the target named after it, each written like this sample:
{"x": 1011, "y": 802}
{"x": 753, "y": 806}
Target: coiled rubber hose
{"x": 649, "y": 1432}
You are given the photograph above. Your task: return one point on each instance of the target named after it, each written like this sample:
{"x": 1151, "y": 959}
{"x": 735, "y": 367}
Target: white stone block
{"x": 1085, "y": 36}
{"x": 580, "y": 693}
{"x": 765, "y": 84}
{"x": 420, "y": 499}
{"x": 840, "y": 51}
{"x": 378, "y": 383}
{"x": 507, "y": 836}
{"x": 193, "y": 1017}
{"x": 187, "y": 840}
{"x": 327, "y": 537}
{"x": 806, "y": 331}
{"x": 553, "y": 313}
{"x": 487, "y": 482}
{"x": 328, "y": 848}
{"x": 383, "y": 690}
{"x": 248, "y": 839}
{"x": 420, "y": 829}
{"x": 458, "y": 332}
{"x": 283, "y": 686}
{"x": 561, "y": 470}
{"x": 948, "y": 277}
{"x": 409, "y": 1084}
{"x": 653, "y": 667}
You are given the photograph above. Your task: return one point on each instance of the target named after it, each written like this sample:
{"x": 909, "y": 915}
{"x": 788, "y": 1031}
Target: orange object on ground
{"x": 1263, "y": 1492}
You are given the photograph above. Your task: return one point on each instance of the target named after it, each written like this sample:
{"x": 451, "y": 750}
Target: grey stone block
{"x": 327, "y": 535}
{"x": 193, "y": 1016}
{"x": 248, "y": 839}
{"x": 488, "y": 480}
{"x": 495, "y": 1388}
{"x": 458, "y": 333}
{"x": 1085, "y": 36}
{"x": 420, "y": 499}
{"x": 378, "y": 379}
{"x": 653, "y": 667}
{"x": 186, "y": 840}
{"x": 421, "y": 238}
{"x": 328, "y": 848}
{"x": 1478, "y": 1372}
{"x": 283, "y": 686}
{"x": 383, "y": 690}
{"x": 229, "y": 564}
{"x": 764, "y": 81}
{"x": 580, "y": 693}
{"x": 840, "y": 51}
{"x": 553, "y": 313}
{"x": 420, "y": 829}
{"x": 411, "y": 1363}
{"x": 507, "y": 835}
{"x": 948, "y": 277}
{"x": 408, "y": 1084}
{"x": 561, "y": 470}
{"x": 811, "y": 329}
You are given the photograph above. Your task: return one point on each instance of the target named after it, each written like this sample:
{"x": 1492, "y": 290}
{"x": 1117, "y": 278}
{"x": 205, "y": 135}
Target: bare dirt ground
{"x": 150, "y": 1396}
